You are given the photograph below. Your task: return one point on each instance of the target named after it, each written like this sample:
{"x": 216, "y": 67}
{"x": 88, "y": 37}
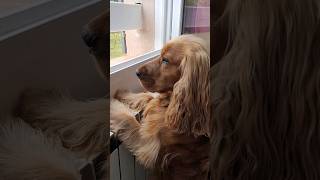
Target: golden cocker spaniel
{"x": 173, "y": 135}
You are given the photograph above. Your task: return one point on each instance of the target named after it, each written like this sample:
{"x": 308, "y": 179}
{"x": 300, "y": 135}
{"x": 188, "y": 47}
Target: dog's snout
{"x": 89, "y": 38}
{"x": 142, "y": 72}
{"x": 139, "y": 74}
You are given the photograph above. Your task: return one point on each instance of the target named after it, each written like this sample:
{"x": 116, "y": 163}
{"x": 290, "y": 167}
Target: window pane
{"x": 196, "y": 16}
{"x": 134, "y": 42}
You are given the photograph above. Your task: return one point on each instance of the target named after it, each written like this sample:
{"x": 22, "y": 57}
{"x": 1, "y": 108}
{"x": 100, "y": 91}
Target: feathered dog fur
{"x": 266, "y": 90}
{"x": 173, "y": 134}
{"x": 81, "y": 126}
{"x": 69, "y": 128}
{"x": 27, "y": 154}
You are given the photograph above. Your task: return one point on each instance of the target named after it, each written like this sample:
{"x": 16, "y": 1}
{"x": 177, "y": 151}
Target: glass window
{"x": 131, "y": 43}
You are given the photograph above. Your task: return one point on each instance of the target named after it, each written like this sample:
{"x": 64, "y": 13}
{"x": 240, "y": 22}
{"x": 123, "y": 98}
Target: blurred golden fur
{"x": 173, "y": 134}
{"x": 27, "y": 154}
{"x": 95, "y": 35}
{"x": 81, "y": 126}
{"x": 265, "y": 92}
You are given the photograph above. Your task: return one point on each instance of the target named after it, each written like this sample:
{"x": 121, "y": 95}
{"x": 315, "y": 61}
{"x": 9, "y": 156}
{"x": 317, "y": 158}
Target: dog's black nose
{"x": 89, "y": 38}
{"x": 139, "y": 74}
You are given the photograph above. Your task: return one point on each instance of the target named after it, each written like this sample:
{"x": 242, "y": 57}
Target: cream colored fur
{"x": 81, "y": 126}
{"x": 26, "y": 154}
{"x": 122, "y": 119}
{"x": 173, "y": 118}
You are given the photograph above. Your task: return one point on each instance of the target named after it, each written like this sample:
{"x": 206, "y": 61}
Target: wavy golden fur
{"x": 266, "y": 90}
{"x": 27, "y": 154}
{"x": 173, "y": 134}
{"x": 80, "y": 126}
{"x": 190, "y": 96}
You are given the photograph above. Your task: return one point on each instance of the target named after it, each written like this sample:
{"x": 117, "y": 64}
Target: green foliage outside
{"x": 116, "y": 49}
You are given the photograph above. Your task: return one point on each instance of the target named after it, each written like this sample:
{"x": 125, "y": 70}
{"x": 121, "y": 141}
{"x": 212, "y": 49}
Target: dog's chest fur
{"x": 180, "y": 155}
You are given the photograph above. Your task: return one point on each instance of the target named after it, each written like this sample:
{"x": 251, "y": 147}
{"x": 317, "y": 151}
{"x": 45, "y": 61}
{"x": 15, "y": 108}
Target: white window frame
{"x": 177, "y": 19}
{"x": 134, "y": 61}
{"x": 36, "y": 14}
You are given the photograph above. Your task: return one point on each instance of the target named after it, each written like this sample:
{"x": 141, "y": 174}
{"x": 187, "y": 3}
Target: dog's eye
{"x": 165, "y": 61}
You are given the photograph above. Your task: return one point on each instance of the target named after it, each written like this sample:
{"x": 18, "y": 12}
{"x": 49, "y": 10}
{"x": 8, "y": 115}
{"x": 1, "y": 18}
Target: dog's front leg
{"x": 129, "y": 131}
{"x": 136, "y": 101}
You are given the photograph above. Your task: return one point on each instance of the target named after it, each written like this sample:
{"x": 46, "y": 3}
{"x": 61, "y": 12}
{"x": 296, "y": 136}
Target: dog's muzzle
{"x": 89, "y": 38}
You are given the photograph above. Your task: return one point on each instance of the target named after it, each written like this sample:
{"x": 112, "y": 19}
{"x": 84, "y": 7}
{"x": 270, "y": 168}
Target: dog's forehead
{"x": 173, "y": 47}
{"x": 173, "y": 51}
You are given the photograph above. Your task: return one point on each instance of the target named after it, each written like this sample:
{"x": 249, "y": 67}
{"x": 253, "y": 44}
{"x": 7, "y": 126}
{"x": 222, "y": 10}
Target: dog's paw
{"x": 117, "y": 121}
{"x": 115, "y": 108}
{"x": 119, "y": 113}
{"x": 115, "y": 125}
{"x": 120, "y": 94}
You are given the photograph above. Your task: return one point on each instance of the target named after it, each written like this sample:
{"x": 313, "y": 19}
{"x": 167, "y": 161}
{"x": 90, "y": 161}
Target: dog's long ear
{"x": 188, "y": 111}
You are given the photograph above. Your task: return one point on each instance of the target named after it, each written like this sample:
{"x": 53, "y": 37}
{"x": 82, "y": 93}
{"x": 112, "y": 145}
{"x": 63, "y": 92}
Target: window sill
{"x": 21, "y": 19}
{"x": 123, "y": 76}
{"x": 134, "y": 61}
